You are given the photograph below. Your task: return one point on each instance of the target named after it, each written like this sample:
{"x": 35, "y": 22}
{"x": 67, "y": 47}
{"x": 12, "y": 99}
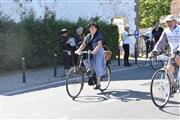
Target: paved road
{"x": 128, "y": 97}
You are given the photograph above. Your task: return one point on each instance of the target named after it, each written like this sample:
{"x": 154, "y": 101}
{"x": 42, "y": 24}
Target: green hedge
{"x": 37, "y": 39}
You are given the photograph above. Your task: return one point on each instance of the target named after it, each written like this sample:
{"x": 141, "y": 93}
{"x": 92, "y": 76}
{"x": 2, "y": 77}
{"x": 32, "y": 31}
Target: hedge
{"x": 36, "y": 39}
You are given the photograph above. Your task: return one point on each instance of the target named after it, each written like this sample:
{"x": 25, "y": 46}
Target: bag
{"x": 92, "y": 79}
{"x": 108, "y": 53}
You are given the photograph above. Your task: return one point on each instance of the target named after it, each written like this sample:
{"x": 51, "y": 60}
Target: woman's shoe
{"x": 97, "y": 87}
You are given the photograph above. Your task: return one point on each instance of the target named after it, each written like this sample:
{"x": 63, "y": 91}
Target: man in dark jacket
{"x": 67, "y": 55}
{"x": 156, "y": 32}
{"x": 79, "y": 38}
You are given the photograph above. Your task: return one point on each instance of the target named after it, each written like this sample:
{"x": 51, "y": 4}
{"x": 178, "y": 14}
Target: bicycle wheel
{"x": 141, "y": 61}
{"x": 160, "y": 88}
{"x": 74, "y": 82}
{"x": 105, "y": 80}
{"x": 155, "y": 63}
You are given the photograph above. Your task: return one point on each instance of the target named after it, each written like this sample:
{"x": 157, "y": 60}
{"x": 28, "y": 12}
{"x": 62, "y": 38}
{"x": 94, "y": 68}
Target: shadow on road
{"x": 168, "y": 111}
{"x": 90, "y": 99}
{"x": 126, "y": 95}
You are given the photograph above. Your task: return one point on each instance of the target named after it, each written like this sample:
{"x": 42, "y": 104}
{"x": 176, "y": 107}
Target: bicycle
{"x": 155, "y": 62}
{"x": 161, "y": 88}
{"x": 75, "y": 77}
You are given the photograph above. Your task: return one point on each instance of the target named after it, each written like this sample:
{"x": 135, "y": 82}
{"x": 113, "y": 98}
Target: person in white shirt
{"x": 126, "y": 42}
{"x": 171, "y": 35}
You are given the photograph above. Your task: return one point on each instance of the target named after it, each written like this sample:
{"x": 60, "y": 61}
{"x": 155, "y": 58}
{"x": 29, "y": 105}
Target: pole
{"x": 23, "y": 70}
{"x": 137, "y": 30}
{"x": 119, "y": 62}
{"x": 55, "y": 65}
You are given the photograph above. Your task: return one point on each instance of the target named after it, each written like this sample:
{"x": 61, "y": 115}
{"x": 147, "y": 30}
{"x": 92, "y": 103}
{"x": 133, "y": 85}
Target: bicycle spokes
{"x": 160, "y": 88}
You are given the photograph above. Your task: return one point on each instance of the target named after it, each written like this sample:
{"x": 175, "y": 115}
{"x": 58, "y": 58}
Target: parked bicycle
{"x": 142, "y": 59}
{"x": 76, "y": 77}
{"x": 161, "y": 87}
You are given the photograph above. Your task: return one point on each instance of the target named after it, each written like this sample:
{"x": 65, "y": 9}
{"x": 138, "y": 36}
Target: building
{"x": 175, "y": 9}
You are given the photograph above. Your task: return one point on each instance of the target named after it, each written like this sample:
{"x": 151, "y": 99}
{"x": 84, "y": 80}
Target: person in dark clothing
{"x": 67, "y": 57}
{"x": 79, "y": 38}
{"x": 149, "y": 42}
{"x": 156, "y": 32}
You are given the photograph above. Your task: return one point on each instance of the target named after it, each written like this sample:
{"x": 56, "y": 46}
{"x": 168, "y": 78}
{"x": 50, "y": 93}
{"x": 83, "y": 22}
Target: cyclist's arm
{"x": 162, "y": 42}
{"x": 99, "y": 45}
{"x": 85, "y": 42}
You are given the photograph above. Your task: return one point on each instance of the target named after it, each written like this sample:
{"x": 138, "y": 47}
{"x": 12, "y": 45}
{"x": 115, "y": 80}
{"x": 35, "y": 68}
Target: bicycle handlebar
{"x": 83, "y": 52}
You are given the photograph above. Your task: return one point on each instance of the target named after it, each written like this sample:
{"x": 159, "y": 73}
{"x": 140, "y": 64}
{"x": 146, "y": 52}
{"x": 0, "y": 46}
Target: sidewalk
{"x": 13, "y": 81}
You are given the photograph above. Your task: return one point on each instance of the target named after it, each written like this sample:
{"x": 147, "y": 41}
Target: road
{"x": 127, "y": 97}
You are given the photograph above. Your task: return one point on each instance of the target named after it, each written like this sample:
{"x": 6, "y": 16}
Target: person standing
{"x": 126, "y": 44}
{"x": 79, "y": 38}
{"x": 66, "y": 50}
{"x": 156, "y": 32}
{"x": 149, "y": 41}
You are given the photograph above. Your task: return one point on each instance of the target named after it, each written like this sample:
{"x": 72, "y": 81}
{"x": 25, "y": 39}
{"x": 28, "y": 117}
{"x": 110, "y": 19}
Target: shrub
{"x": 37, "y": 39}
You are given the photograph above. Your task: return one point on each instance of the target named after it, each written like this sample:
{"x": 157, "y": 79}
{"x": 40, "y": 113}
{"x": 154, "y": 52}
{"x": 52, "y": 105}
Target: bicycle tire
{"x": 154, "y": 99}
{"x": 79, "y": 72}
{"x": 106, "y": 79}
{"x": 141, "y": 62}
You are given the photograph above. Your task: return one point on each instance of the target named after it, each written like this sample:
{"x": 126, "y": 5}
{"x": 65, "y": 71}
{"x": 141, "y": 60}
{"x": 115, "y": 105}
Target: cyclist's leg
{"x": 171, "y": 68}
{"x": 177, "y": 60}
{"x": 87, "y": 64}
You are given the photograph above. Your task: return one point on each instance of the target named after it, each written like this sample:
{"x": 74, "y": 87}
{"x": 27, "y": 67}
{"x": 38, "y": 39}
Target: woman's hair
{"x": 93, "y": 24}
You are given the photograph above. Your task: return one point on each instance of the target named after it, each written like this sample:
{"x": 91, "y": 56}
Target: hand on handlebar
{"x": 152, "y": 54}
{"x": 78, "y": 52}
{"x": 93, "y": 52}
{"x": 173, "y": 55}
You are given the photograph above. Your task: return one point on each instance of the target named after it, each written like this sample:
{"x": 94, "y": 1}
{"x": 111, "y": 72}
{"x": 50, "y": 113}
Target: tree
{"x": 152, "y": 10}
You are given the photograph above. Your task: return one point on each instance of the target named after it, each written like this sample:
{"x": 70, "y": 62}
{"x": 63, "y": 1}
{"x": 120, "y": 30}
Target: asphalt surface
{"x": 128, "y": 97}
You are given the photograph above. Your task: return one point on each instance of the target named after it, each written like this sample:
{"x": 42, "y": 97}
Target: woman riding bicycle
{"x": 95, "y": 39}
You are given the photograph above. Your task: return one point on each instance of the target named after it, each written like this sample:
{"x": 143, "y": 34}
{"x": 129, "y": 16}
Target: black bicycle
{"x": 76, "y": 77}
{"x": 161, "y": 87}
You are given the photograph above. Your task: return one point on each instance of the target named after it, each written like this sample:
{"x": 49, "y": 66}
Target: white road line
{"x": 54, "y": 83}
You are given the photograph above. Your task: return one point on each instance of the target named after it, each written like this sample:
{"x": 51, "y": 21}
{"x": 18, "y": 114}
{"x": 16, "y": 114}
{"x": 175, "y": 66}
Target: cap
{"x": 64, "y": 31}
{"x": 80, "y": 29}
{"x": 170, "y": 18}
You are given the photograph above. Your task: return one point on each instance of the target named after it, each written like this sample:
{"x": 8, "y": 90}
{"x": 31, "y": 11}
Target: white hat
{"x": 170, "y": 18}
{"x": 80, "y": 29}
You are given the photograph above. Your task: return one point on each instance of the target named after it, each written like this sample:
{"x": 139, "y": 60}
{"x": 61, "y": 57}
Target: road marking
{"x": 54, "y": 83}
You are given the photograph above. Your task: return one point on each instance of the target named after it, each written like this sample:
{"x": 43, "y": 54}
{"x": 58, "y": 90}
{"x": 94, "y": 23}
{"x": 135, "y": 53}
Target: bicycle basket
{"x": 108, "y": 53}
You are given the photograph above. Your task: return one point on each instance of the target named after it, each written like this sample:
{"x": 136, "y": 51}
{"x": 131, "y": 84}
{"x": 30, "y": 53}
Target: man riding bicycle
{"x": 171, "y": 35}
